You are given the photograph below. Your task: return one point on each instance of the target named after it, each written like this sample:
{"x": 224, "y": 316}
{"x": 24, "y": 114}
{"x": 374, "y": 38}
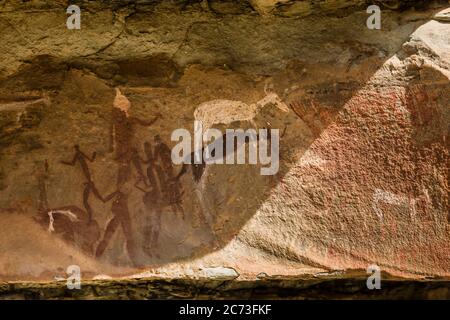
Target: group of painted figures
{"x": 158, "y": 182}
{"x": 155, "y": 176}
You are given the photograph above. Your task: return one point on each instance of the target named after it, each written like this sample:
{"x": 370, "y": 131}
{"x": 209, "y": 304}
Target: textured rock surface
{"x": 363, "y": 116}
{"x": 353, "y": 287}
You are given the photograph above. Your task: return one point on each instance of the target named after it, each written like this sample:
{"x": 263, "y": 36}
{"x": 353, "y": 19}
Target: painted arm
{"x": 182, "y": 171}
{"x": 72, "y": 162}
{"x": 145, "y": 123}
{"x": 94, "y": 154}
{"x": 112, "y": 134}
{"x": 139, "y": 188}
{"x": 109, "y": 197}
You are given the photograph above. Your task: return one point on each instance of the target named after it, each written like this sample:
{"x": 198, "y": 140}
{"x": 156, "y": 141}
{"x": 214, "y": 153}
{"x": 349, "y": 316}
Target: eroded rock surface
{"x": 86, "y": 118}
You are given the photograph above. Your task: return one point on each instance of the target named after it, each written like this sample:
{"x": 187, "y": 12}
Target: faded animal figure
{"x": 70, "y": 222}
{"x": 73, "y": 225}
{"x": 121, "y": 217}
{"x": 419, "y": 208}
{"x": 122, "y": 135}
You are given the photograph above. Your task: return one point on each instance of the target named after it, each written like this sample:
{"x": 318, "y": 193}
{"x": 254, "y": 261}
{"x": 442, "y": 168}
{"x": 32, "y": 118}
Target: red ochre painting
{"x": 354, "y": 120}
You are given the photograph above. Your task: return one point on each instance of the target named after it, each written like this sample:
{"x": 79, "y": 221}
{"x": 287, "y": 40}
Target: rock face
{"x": 87, "y": 116}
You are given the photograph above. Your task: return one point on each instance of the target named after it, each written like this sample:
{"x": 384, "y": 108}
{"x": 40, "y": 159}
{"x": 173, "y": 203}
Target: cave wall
{"x": 363, "y": 118}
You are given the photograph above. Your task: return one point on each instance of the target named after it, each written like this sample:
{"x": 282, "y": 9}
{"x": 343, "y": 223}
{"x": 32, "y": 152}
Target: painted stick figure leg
{"x": 156, "y": 228}
{"x": 125, "y": 221}
{"x": 87, "y": 206}
{"x": 109, "y": 232}
{"x": 136, "y": 161}
{"x": 90, "y": 187}
{"x": 123, "y": 173}
{"x": 43, "y": 201}
{"x": 95, "y": 191}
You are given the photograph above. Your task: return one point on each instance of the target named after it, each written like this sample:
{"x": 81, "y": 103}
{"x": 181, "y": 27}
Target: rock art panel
{"x": 87, "y": 175}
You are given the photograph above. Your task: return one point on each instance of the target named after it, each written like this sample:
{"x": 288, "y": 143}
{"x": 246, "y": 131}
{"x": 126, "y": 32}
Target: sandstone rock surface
{"x": 363, "y": 117}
